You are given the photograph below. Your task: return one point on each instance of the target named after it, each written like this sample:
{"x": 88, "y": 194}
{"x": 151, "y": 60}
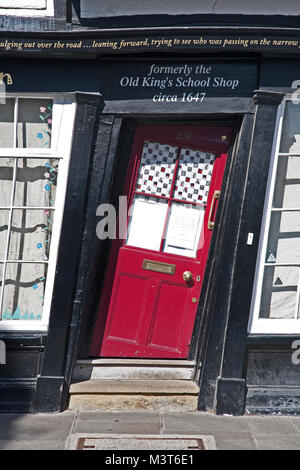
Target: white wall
{"x": 27, "y": 7}
{"x": 106, "y": 8}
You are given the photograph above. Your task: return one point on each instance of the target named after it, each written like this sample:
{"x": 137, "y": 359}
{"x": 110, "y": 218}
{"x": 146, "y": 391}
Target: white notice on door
{"x": 147, "y": 222}
{"x": 184, "y": 227}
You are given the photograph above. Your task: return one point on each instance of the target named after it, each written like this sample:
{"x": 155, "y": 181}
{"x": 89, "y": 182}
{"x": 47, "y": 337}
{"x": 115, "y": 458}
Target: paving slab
{"x": 32, "y": 445}
{"x": 32, "y": 427}
{"x": 273, "y": 425}
{"x": 234, "y": 441}
{"x": 137, "y": 427}
{"x": 114, "y": 422}
{"x": 118, "y": 415}
{"x": 296, "y": 422}
{"x": 203, "y": 423}
{"x": 278, "y": 442}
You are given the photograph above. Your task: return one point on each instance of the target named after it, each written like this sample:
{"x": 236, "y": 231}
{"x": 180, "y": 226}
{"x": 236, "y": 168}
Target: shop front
{"x": 149, "y": 212}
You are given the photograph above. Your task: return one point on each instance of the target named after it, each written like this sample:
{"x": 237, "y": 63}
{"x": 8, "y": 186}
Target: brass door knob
{"x": 187, "y": 276}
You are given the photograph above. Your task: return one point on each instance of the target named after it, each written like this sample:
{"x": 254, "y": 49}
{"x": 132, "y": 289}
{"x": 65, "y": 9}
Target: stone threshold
{"x": 155, "y": 369}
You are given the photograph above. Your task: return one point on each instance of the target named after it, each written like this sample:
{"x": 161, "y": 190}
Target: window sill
{"x": 19, "y": 325}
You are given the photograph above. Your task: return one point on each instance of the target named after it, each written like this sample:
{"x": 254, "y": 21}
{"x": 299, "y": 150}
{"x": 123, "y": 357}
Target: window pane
{"x": 194, "y": 176}
{"x": 36, "y": 182}
{"x": 30, "y": 234}
{"x": 183, "y": 229}
{"x": 284, "y": 238}
{"x": 24, "y": 291}
{"x": 7, "y": 123}
{"x": 156, "y": 169}
{"x": 6, "y": 177}
{"x": 279, "y": 292}
{"x": 3, "y": 232}
{"x": 287, "y": 187}
{"x": 147, "y": 221}
{"x": 34, "y": 123}
{"x": 290, "y": 140}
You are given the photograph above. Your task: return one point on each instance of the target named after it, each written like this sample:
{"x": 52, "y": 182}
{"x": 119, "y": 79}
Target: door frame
{"x": 116, "y": 245}
{"x": 126, "y": 131}
{"x": 107, "y": 148}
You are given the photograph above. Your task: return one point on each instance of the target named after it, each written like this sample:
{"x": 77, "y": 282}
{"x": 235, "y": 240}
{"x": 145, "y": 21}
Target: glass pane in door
{"x": 156, "y": 169}
{"x": 194, "y": 176}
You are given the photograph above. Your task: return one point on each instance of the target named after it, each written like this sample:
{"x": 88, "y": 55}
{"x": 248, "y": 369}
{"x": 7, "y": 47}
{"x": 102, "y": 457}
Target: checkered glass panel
{"x": 194, "y": 176}
{"x": 156, "y": 169}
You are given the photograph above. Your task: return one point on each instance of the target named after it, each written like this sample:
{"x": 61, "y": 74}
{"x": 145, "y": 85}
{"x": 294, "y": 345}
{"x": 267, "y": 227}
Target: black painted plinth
{"x": 231, "y": 396}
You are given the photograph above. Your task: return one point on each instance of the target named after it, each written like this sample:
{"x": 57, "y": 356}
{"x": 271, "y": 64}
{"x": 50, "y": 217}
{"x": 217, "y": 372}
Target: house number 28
{"x": 183, "y": 136}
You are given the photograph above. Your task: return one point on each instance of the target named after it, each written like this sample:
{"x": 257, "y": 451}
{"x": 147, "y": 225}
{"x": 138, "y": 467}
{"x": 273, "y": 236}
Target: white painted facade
{"x": 109, "y": 8}
{"x": 27, "y": 7}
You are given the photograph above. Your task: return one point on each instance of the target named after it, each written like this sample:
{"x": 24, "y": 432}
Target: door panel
{"x": 130, "y": 293}
{"x": 166, "y": 328}
{"x": 176, "y": 177}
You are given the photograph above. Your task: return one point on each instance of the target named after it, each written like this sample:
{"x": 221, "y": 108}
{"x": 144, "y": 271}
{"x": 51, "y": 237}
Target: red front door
{"x": 152, "y": 291}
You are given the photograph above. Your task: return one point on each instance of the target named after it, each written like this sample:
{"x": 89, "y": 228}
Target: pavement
{"x": 56, "y": 431}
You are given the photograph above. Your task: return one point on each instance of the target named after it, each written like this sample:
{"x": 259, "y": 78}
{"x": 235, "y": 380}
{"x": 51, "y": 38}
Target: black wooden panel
{"x": 272, "y": 368}
{"x": 279, "y": 72}
{"x": 210, "y": 106}
{"x": 23, "y": 340}
{"x": 260, "y": 153}
{"x": 173, "y": 20}
{"x": 71, "y": 238}
{"x": 21, "y": 364}
{"x": 88, "y": 288}
{"x": 17, "y": 396}
{"x": 219, "y": 283}
{"x": 273, "y": 401}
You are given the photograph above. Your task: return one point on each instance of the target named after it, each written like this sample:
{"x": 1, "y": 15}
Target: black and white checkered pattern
{"x": 194, "y": 176}
{"x": 156, "y": 169}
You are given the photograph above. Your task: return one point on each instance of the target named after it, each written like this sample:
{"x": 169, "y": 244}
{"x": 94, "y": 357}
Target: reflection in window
{"x": 23, "y": 293}
{"x": 7, "y": 123}
{"x": 290, "y": 138}
{"x": 27, "y": 205}
{"x": 34, "y": 123}
{"x": 280, "y": 285}
{"x": 278, "y": 279}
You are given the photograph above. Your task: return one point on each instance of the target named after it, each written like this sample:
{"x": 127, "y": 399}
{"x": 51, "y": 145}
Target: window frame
{"x": 63, "y": 118}
{"x": 272, "y": 326}
{"x": 30, "y": 10}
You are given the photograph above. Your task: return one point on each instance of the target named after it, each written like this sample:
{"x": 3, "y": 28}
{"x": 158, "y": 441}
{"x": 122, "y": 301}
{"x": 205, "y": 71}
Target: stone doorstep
{"x": 134, "y": 387}
{"x": 166, "y": 395}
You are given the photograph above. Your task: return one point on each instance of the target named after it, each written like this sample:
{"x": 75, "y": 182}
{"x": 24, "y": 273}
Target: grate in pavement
{"x": 140, "y": 442}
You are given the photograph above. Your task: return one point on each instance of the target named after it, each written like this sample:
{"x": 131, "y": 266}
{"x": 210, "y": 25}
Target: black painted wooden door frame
{"x": 222, "y": 379}
{"x": 51, "y": 381}
{"x": 110, "y": 149}
{"x": 89, "y": 185}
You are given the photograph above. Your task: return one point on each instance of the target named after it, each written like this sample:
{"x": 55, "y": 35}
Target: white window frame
{"x": 272, "y": 326}
{"x": 63, "y": 116}
{"x": 28, "y": 8}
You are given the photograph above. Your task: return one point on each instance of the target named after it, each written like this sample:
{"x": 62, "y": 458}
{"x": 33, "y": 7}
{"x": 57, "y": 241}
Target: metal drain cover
{"x": 140, "y": 442}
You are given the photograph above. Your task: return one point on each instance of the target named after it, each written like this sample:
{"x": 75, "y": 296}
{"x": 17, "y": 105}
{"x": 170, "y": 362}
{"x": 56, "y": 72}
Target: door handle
{"x": 187, "y": 276}
{"x": 210, "y": 224}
